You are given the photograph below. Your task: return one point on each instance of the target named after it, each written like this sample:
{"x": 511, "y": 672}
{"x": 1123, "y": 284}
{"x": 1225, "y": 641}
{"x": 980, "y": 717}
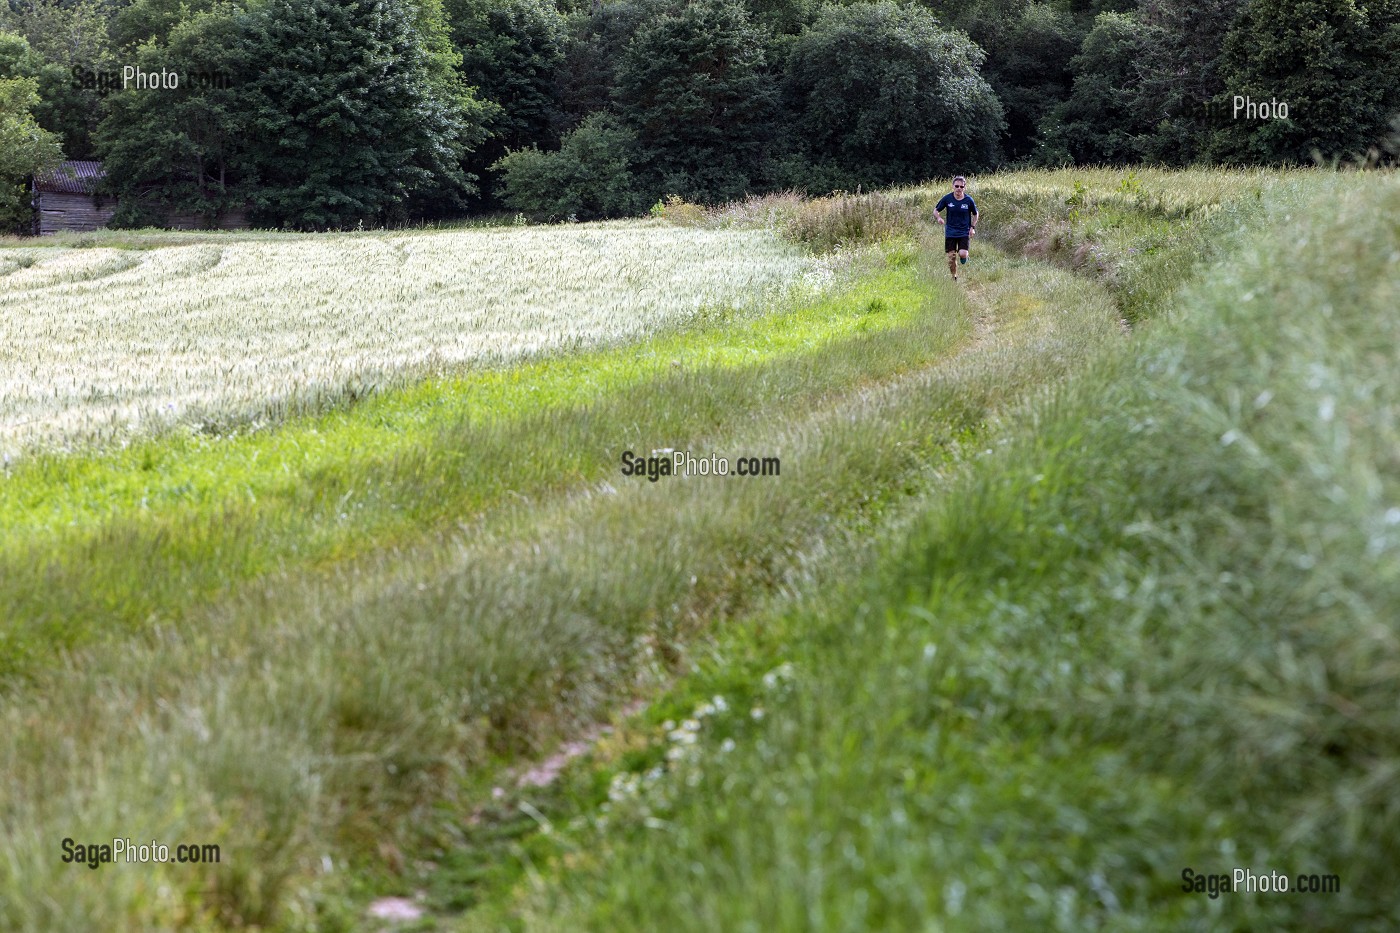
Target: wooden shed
{"x": 66, "y": 199}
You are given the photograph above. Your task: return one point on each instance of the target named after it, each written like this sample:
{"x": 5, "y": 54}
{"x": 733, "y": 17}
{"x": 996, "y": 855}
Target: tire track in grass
{"x": 1008, "y": 319}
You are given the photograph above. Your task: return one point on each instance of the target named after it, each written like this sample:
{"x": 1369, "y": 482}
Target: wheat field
{"x": 108, "y": 343}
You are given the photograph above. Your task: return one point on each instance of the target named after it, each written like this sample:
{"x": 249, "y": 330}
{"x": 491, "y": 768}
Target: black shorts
{"x": 951, "y": 243}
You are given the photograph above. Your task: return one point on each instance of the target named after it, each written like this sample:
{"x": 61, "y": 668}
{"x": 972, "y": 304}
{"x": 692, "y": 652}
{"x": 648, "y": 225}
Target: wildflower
{"x": 779, "y": 675}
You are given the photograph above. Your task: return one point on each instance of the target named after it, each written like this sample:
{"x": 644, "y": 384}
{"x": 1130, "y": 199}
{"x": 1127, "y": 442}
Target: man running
{"x": 961, "y": 223}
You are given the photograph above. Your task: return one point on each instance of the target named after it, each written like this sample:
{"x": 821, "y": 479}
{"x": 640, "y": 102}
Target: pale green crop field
{"x": 110, "y": 343}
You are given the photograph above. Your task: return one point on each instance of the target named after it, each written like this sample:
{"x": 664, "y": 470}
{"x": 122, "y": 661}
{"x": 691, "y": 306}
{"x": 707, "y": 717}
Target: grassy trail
{"x": 1152, "y": 628}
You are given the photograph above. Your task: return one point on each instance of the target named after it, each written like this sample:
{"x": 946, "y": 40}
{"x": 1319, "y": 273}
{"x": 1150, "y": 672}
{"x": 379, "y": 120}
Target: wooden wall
{"x": 60, "y": 211}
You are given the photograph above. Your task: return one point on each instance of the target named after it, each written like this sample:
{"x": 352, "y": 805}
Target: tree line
{"x": 328, "y": 114}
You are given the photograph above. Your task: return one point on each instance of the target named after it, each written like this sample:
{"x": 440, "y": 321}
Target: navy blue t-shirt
{"x": 959, "y": 214}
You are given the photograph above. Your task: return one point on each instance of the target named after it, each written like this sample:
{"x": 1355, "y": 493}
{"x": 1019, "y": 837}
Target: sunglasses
{"x": 960, "y": 186}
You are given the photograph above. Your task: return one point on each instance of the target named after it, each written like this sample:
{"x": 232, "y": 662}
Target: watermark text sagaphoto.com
{"x": 670, "y": 462}
{"x": 125, "y": 851}
{"x": 1246, "y": 881}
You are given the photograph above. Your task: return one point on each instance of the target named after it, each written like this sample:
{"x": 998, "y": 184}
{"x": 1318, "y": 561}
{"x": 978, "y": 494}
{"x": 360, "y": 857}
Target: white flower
{"x": 778, "y": 676}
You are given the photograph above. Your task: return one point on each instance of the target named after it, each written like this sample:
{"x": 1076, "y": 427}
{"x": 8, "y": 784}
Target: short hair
{"x": 960, "y": 178}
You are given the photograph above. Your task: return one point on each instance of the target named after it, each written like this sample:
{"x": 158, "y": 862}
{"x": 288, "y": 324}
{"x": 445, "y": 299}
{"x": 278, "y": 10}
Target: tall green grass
{"x": 1156, "y": 627}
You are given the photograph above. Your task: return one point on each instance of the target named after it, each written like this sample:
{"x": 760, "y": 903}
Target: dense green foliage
{"x": 695, "y": 86}
{"x": 716, "y": 100}
{"x": 186, "y": 148}
{"x": 65, "y": 35}
{"x": 24, "y": 147}
{"x": 1179, "y": 75}
{"x": 511, "y": 51}
{"x": 1099, "y": 123}
{"x": 879, "y": 93}
{"x": 1029, "y": 67}
{"x": 352, "y": 130}
{"x": 1335, "y": 62}
{"x": 593, "y": 52}
{"x": 61, "y": 108}
{"x": 590, "y": 176}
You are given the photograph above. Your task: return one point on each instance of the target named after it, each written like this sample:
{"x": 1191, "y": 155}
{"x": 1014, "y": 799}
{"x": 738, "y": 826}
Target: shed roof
{"x": 71, "y": 178}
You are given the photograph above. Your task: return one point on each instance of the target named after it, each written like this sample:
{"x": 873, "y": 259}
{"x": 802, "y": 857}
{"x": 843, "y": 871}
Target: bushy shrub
{"x": 591, "y": 175}
{"x": 677, "y": 210}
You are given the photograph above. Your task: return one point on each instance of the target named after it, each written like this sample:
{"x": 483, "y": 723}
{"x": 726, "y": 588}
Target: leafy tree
{"x": 1100, "y": 122}
{"x": 695, "y": 88}
{"x": 25, "y": 148}
{"x": 784, "y": 17}
{"x": 594, "y": 46}
{"x": 17, "y": 59}
{"x": 1336, "y": 63}
{"x": 356, "y": 116}
{"x": 1089, "y": 10}
{"x": 64, "y": 32}
{"x": 1029, "y": 69}
{"x": 881, "y": 93}
{"x": 63, "y": 35}
{"x": 182, "y": 148}
{"x": 590, "y": 176}
{"x": 144, "y": 20}
{"x": 1179, "y": 75}
{"x": 445, "y": 78}
{"x": 510, "y": 51}
{"x": 1029, "y": 44}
